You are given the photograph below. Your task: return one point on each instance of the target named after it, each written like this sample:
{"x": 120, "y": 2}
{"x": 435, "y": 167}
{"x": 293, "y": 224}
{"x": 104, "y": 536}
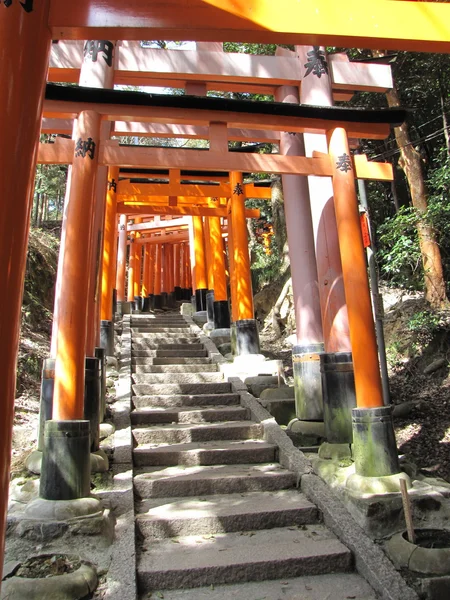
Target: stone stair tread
{"x": 205, "y": 453}
{"x": 190, "y": 426}
{"x": 196, "y": 414}
{"x": 330, "y": 586}
{"x": 185, "y": 400}
{"x": 190, "y": 561}
{"x": 196, "y": 378}
{"x": 181, "y": 480}
{"x": 180, "y": 388}
{"x": 208, "y": 368}
{"x": 222, "y": 504}
{"x": 146, "y": 360}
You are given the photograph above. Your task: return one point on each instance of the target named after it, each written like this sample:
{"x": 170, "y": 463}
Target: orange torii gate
{"x": 26, "y": 31}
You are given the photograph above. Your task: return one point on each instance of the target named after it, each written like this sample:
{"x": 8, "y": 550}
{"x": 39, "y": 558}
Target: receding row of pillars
{"x": 25, "y": 38}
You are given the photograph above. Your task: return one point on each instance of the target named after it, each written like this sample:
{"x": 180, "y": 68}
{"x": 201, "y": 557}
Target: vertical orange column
{"x": 233, "y": 288}
{"x": 201, "y": 280}
{"x": 158, "y": 278}
{"x": 69, "y": 368}
{"x": 109, "y": 243}
{"x": 24, "y": 50}
{"x": 137, "y": 262}
{"x": 177, "y": 265}
{"x": 151, "y": 269}
{"x": 145, "y": 272}
{"x": 170, "y": 269}
{"x": 192, "y": 254}
{"x": 218, "y": 259}
{"x": 354, "y": 270}
{"x": 131, "y": 267}
{"x": 209, "y": 254}
{"x": 121, "y": 259}
{"x": 241, "y": 257}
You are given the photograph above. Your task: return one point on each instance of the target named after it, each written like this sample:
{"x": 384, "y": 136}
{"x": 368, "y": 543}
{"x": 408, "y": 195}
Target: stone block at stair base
{"x": 186, "y": 309}
{"x": 200, "y": 318}
{"x": 258, "y": 384}
{"x": 281, "y": 409}
{"x": 221, "y": 336}
{"x": 251, "y": 365}
{"x": 306, "y": 433}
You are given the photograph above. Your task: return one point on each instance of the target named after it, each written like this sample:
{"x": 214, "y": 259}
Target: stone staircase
{"x": 213, "y": 506}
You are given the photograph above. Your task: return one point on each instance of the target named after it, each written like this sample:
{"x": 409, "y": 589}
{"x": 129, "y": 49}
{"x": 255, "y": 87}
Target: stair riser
{"x": 153, "y": 528}
{"x": 205, "y": 434}
{"x": 276, "y": 569}
{"x": 193, "y": 378}
{"x": 143, "y": 360}
{"x": 180, "y": 388}
{"x": 149, "y": 345}
{"x": 195, "y": 416}
{"x": 170, "y": 354}
{"x": 180, "y": 337}
{"x": 209, "y": 487}
{"x": 187, "y": 400}
{"x": 175, "y": 369}
{"x": 147, "y": 458}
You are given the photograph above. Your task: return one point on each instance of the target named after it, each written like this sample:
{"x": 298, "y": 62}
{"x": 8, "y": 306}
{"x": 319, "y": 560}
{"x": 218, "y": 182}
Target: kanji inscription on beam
{"x": 112, "y": 185}
{"x": 85, "y": 148}
{"x": 344, "y": 163}
{"x": 317, "y": 63}
{"x": 92, "y": 48}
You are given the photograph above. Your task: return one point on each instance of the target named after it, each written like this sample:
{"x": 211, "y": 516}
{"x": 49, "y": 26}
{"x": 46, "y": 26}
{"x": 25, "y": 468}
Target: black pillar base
{"x": 107, "y": 337}
{"x": 66, "y": 461}
{"x": 178, "y": 293}
{"x": 138, "y": 303}
{"x": 210, "y": 308}
{"x": 164, "y": 299}
{"x": 247, "y": 337}
{"x": 114, "y": 302}
{"x": 171, "y": 300}
{"x": 221, "y": 315}
{"x": 92, "y": 387}
{"x": 157, "y": 302}
{"x": 200, "y": 299}
{"x": 308, "y": 382}
{"x": 145, "y": 304}
{"x": 339, "y": 396}
{"x": 101, "y": 355}
{"x": 46, "y": 402}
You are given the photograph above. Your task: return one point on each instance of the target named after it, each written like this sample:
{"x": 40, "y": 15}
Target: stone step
{"x": 137, "y": 352}
{"x": 169, "y": 517}
{"x": 142, "y": 360}
{"x": 204, "y": 453}
{"x": 175, "y": 338}
{"x": 331, "y": 586}
{"x": 154, "y": 482}
{"x": 207, "y": 414}
{"x": 194, "y": 378}
{"x": 151, "y": 345}
{"x": 147, "y": 389}
{"x": 238, "y": 557}
{"x": 185, "y": 400}
{"x": 187, "y": 433}
{"x": 175, "y": 368}
{"x": 180, "y": 329}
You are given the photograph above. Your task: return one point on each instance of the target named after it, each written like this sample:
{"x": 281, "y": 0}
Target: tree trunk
{"x": 444, "y": 116}
{"x": 411, "y": 163}
{"x": 278, "y": 216}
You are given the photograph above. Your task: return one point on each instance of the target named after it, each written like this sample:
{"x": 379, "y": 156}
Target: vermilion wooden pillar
{"x": 200, "y": 273}
{"x": 121, "y": 259}
{"x": 109, "y": 243}
{"x": 151, "y": 269}
{"x": 233, "y": 289}
{"x": 178, "y": 269}
{"x": 70, "y": 358}
{"x": 209, "y": 254}
{"x": 145, "y": 271}
{"x": 241, "y": 259}
{"x": 137, "y": 263}
{"x": 369, "y": 392}
{"x": 221, "y": 309}
{"x": 131, "y": 267}
{"x": 24, "y": 50}
{"x": 192, "y": 254}
{"x": 158, "y": 278}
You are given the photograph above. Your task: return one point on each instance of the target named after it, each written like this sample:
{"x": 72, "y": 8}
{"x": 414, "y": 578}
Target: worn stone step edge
{"x": 209, "y": 414}
{"x": 185, "y": 400}
{"x": 191, "y": 433}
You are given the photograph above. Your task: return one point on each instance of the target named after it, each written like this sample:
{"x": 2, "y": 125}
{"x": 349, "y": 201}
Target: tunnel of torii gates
{"x": 332, "y": 303}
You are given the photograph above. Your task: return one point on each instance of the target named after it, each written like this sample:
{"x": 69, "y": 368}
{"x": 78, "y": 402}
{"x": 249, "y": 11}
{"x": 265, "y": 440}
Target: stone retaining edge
{"x": 121, "y": 576}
